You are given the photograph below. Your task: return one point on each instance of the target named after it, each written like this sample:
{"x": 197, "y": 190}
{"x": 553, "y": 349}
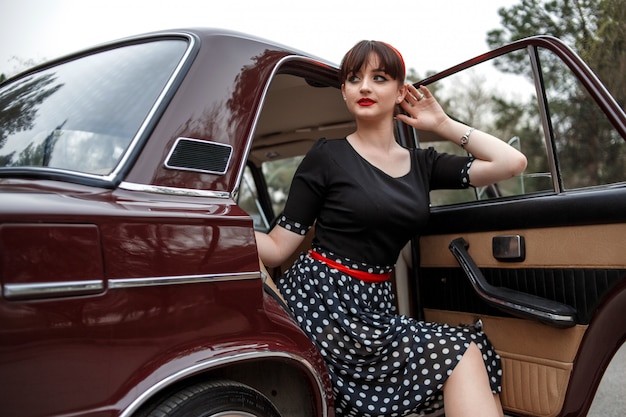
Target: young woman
{"x": 367, "y": 196}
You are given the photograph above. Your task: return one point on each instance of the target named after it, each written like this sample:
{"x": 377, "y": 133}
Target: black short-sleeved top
{"x": 361, "y": 212}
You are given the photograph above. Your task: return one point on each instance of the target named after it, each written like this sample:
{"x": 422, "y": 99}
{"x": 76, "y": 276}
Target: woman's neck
{"x": 374, "y": 136}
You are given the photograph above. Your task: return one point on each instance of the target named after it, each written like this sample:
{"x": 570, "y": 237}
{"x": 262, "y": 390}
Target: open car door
{"x": 539, "y": 261}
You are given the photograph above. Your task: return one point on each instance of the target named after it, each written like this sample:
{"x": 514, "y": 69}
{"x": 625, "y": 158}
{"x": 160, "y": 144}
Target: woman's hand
{"x": 495, "y": 159}
{"x": 423, "y": 110}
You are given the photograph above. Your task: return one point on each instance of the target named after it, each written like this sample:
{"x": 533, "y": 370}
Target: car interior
{"x": 303, "y": 104}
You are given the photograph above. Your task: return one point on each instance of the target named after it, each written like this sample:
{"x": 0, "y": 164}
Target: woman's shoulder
{"x": 331, "y": 143}
{"x": 325, "y": 146}
{"x": 424, "y": 154}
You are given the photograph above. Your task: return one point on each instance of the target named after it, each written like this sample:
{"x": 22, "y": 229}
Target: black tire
{"x": 220, "y": 398}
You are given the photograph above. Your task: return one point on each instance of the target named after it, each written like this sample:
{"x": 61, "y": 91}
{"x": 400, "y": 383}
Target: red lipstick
{"x": 366, "y": 102}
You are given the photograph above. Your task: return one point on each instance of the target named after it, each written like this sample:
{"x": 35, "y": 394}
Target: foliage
{"x": 587, "y": 147}
{"x": 573, "y": 21}
{"x": 595, "y": 29}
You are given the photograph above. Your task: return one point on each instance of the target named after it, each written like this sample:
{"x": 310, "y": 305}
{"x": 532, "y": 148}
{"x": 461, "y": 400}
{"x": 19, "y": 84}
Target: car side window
{"x": 248, "y": 200}
{"x": 83, "y": 114}
{"x": 277, "y": 175}
{"x": 590, "y": 152}
{"x": 504, "y": 105}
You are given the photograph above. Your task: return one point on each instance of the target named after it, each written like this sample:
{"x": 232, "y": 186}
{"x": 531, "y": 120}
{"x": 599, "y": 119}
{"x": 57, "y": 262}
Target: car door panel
{"x": 537, "y": 369}
{"x": 576, "y": 265}
{"x": 568, "y": 210}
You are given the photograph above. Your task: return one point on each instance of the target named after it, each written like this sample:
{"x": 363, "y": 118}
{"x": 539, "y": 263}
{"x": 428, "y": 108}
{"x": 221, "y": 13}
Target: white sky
{"x": 431, "y": 34}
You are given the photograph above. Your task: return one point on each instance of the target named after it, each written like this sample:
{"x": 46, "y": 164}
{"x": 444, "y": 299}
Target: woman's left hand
{"x": 423, "y": 110}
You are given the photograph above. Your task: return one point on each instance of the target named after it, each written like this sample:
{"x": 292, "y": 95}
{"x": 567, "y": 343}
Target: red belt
{"x": 361, "y": 275}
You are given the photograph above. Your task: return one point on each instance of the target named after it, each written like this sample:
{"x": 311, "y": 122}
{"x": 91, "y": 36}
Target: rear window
{"x": 83, "y": 115}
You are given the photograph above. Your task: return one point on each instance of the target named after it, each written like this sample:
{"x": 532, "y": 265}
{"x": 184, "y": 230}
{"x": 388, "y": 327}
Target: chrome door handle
{"x": 509, "y": 248}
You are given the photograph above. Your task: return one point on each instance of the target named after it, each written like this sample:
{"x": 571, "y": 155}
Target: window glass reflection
{"x": 82, "y": 115}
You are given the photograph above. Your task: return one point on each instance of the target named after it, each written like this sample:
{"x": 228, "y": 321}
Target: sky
{"x": 431, "y": 34}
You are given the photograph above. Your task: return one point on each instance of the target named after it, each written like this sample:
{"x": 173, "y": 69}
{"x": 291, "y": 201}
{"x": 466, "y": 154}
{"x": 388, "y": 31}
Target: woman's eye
{"x": 380, "y": 78}
{"x": 353, "y": 79}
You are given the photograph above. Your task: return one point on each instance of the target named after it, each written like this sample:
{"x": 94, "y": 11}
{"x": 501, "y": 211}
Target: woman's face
{"x": 371, "y": 93}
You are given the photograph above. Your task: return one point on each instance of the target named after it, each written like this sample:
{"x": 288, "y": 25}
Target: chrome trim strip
{"x": 157, "y": 104}
{"x": 52, "y": 289}
{"x": 212, "y": 363}
{"x": 157, "y": 189}
{"x": 182, "y": 279}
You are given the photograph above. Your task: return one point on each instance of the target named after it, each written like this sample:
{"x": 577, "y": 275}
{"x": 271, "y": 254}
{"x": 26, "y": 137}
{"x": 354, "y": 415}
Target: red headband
{"x": 399, "y": 56}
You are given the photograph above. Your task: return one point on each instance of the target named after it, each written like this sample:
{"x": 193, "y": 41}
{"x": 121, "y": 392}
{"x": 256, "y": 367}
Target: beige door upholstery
{"x": 537, "y": 359}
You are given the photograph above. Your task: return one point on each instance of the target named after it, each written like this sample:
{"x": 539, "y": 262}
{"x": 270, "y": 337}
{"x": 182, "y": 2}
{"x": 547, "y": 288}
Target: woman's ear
{"x": 401, "y": 93}
{"x": 343, "y": 91}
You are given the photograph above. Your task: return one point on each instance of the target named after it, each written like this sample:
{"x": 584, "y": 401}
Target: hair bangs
{"x": 390, "y": 60}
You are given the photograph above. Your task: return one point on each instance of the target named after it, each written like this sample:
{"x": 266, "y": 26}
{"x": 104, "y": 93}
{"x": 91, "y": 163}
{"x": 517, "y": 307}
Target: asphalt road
{"x": 610, "y": 400}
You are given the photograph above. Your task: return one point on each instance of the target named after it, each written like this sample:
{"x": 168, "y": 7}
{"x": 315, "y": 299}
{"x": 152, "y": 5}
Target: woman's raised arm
{"x": 495, "y": 159}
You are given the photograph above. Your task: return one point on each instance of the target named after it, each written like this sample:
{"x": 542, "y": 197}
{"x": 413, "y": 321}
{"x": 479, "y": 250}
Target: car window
{"x": 277, "y": 175}
{"x": 83, "y": 114}
{"x": 504, "y": 105}
{"x": 248, "y": 200}
{"x": 590, "y": 152}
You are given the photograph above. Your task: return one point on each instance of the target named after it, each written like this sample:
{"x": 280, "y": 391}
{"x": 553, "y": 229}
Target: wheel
{"x": 216, "y": 399}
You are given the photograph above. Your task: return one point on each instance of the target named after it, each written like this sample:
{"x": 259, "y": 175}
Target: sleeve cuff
{"x": 292, "y": 225}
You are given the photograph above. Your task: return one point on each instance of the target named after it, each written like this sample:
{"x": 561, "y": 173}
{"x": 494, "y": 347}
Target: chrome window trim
{"x": 212, "y": 363}
{"x": 259, "y": 108}
{"x": 52, "y": 289}
{"x": 157, "y": 104}
{"x": 158, "y": 189}
{"x": 182, "y": 279}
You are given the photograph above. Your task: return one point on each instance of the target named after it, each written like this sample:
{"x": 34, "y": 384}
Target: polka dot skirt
{"x": 381, "y": 363}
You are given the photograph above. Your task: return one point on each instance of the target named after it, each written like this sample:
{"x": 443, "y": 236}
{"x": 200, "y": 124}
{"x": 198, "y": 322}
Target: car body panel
{"x": 175, "y": 290}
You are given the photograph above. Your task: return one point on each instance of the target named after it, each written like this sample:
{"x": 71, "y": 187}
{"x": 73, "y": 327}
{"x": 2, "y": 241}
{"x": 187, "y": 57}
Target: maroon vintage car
{"x": 133, "y": 176}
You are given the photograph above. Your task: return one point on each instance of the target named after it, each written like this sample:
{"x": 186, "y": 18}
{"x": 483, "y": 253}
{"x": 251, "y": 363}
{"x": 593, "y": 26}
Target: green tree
{"x": 589, "y": 153}
{"x": 607, "y": 53}
{"x": 573, "y": 21}
{"x": 595, "y": 29}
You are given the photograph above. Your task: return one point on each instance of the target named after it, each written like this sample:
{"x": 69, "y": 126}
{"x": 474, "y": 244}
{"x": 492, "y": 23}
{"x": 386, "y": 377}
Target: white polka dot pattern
{"x": 381, "y": 363}
{"x": 292, "y": 226}
{"x": 465, "y": 180}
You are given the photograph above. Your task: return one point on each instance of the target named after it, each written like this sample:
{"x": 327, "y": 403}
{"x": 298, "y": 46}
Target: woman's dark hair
{"x": 390, "y": 60}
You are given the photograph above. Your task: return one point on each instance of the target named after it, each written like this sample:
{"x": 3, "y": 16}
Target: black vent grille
{"x": 198, "y": 155}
